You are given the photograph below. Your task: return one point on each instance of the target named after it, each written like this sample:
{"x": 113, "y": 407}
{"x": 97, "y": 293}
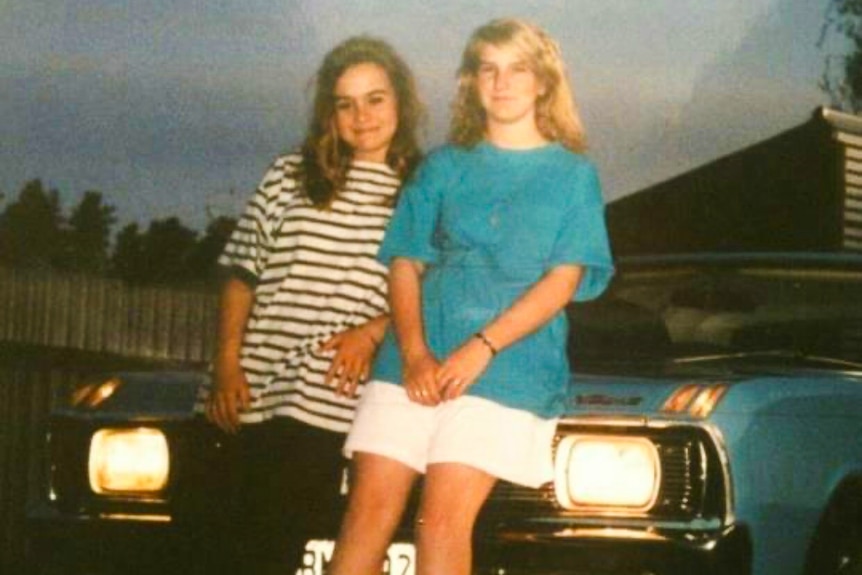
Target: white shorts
{"x": 511, "y": 444}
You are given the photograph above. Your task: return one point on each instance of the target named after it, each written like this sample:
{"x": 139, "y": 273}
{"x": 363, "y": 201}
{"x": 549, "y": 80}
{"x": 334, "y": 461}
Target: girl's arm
{"x": 541, "y": 302}
{"x": 230, "y": 393}
{"x": 420, "y": 365}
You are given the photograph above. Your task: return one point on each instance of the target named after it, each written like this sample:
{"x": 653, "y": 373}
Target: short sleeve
{"x": 411, "y": 231}
{"x": 583, "y": 236}
{"x": 247, "y": 248}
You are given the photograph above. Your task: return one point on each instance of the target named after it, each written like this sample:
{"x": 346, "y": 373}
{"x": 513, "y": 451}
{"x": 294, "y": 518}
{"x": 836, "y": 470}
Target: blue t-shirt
{"x": 489, "y": 223}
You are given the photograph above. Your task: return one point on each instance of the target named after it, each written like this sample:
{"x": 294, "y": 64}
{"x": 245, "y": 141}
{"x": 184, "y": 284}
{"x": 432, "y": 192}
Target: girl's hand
{"x": 462, "y": 368}
{"x": 420, "y": 379}
{"x": 351, "y": 364}
{"x": 229, "y": 394}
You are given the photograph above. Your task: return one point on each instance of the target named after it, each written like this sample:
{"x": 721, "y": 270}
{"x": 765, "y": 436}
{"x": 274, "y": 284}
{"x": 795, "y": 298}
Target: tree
{"x": 35, "y": 233}
{"x": 30, "y": 228}
{"x": 127, "y": 259}
{"x": 842, "y": 77}
{"x": 203, "y": 260}
{"x": 161, "y": 255}
{"x": 168, "y": 245}
{"x": 89, "y": 234}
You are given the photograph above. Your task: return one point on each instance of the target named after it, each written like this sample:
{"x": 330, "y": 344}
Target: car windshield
{"x": 703, "y": 313}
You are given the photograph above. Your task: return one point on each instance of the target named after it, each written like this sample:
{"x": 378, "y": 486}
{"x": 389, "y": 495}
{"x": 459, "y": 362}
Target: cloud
{"x": 763, "y": 84}
{"x": 164, "y": 106}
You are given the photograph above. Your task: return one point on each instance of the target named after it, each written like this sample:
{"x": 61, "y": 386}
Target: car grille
{"x": 683, "y": 477}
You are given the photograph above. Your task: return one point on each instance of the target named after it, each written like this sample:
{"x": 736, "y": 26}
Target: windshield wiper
{"x": 768, "y": 353}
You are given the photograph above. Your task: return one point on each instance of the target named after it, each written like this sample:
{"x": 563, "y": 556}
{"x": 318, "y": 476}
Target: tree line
{"x": 36, "y": 233}
{"x": 842, "y": 75}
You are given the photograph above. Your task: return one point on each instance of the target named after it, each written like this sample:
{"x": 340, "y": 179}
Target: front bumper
{"x": 72, "y": 543}
{"x": 538, "y": 549}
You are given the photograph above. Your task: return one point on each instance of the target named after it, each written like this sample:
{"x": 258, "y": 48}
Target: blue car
{"x": 713, "y": 426}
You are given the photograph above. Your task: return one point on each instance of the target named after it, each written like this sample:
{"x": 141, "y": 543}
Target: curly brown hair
{"x": 326, "y": 157}
{"x": 557, "y": 116}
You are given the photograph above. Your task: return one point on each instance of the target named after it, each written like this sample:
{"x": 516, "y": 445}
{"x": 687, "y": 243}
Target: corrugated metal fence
{"x": 100, "y": 315}
{"x": 54, "y": 328}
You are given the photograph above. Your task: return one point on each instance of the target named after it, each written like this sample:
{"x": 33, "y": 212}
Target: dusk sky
{"x": 176, "y": 107}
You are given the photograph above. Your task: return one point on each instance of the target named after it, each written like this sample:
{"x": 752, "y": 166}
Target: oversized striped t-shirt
{"x": 315, "y": 274}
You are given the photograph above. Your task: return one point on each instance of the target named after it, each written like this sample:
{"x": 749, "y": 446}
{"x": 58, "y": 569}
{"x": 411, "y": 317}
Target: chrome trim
{"x": 585, "y": 533}
{"x": 143, "y": 518}
{"x": 702, "y": 539}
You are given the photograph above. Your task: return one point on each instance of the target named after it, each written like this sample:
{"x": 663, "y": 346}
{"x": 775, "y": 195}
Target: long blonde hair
{"x": 557, "y": 116}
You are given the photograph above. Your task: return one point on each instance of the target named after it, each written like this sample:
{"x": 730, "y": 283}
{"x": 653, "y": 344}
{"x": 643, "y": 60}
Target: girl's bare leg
{"x": 378, "y": 493}
{"x": 452, "y": 496}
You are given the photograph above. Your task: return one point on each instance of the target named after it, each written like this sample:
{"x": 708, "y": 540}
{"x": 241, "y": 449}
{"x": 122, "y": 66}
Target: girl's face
{"x": 506, "y": 85}
{"x": 366, "y": 111}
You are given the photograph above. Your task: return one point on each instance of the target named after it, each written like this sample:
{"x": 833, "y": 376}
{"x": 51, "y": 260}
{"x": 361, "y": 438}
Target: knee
{"x": 380, "y": 487}
{"x": 374, "y": 504}
{"x": 444, "y": 524}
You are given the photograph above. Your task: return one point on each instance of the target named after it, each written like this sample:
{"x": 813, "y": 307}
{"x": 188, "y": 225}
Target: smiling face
{"x": 507, "y": 86}
{"x": 366, "y": 111}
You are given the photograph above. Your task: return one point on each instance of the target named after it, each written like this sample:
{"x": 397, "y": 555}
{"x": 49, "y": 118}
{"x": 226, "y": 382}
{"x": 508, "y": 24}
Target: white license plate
{"x": 400, "y": 559}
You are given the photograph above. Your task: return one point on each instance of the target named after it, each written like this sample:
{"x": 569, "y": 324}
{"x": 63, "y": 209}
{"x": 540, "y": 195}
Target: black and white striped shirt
{"x": 315, "y": 274}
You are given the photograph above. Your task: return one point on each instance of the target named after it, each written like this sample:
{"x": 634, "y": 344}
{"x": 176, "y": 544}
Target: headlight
{"x": 129, "y": 461}
{"x": 606, "y": 473}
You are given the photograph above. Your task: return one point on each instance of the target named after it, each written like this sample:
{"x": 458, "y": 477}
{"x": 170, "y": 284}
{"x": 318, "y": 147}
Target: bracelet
{"x": 484, "y": 339}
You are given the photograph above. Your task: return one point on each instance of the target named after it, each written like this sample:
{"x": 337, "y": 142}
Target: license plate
{"x": 400, "y": 558}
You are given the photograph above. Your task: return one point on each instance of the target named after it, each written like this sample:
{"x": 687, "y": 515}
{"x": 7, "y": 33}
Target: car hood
{"x": 144, "y": 395}
{"x": 793, "y": 393}
{"x": 173, "y": 395}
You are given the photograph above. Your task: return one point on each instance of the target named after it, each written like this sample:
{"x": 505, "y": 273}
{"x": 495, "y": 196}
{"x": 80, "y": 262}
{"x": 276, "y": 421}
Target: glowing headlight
{"x": 129, "y": 461}
{"x": 606, "y": 472}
